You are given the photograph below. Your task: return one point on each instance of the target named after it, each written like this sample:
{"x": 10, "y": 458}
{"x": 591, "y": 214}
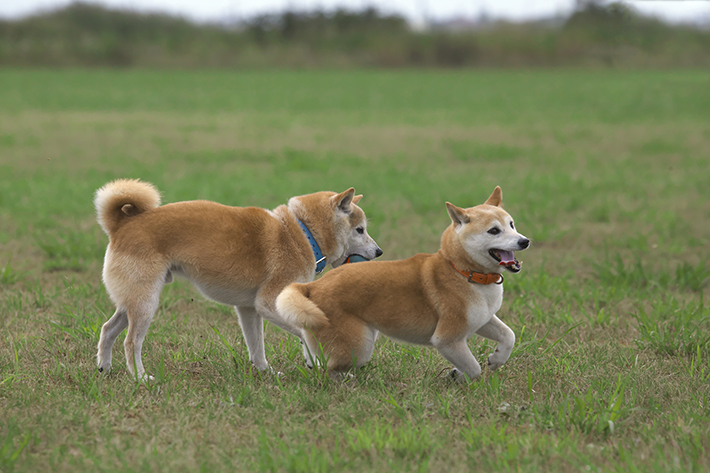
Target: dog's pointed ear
{"x": 496, "y": 198}
{"x": 343, "y": 200}
{"x": 458, "y": 215}
{"x": 357, "y": 198}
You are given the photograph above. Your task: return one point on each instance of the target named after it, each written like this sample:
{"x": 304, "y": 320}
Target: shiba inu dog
{"x": 438, "y": 299}
{"x": 238, "y": 256}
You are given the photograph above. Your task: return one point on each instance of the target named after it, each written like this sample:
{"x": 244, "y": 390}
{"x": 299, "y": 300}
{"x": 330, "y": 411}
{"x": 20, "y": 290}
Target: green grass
{"x": 607, "y": 172}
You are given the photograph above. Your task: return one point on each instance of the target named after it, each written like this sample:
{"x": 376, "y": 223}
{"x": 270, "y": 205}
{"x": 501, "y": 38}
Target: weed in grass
{"x": 37, "y": 291}
{"x": 80, "y": 324}
{"x": 502, "y": 447}
{"x": 89, "y": 385}
{"x": 408, "y": 441}
{"x": 445, "y": 400}
{"x": 13, "y": 303}
{"x": 243, "y": 368}
{"x": 245, "y": 397}
{"x": 529, "y": 344}
{"x": 613, "y": 271}
{"x": 692, "y": 277}
{"x": 314, "y": 400}
{"x": 695, "y": 368}
{"x": 12, "y": 446}
{"x": 399, "y": 409}
{"x": 274, "y": 455}
{"x": 601, "y": 213}
{"x": 70, "y": 250}
{"x": 493, "y": 385}
{"x": 588, "y": 413}
{"x": 671, "y": 327}
{"x": 9, "y": 275}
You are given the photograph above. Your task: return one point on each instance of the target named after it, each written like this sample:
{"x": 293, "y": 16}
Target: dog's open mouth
{"x": 506, "y": 259}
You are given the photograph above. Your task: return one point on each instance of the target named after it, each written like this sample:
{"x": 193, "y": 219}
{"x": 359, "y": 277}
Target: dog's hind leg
{"x": 109, "y": 332}
{"x": 140, "y": 315}
{"x": 496, "y": 330}
{"x": 253, "y": 329}
{"x": 460, "y": 356}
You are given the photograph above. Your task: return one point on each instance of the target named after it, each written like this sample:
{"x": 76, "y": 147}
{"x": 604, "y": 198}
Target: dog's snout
{"x": 523, "y": 243}
{"x": 378, "y": 252}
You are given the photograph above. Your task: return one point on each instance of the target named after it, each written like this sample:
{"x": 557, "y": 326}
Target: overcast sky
{"x": 415, "y": 10}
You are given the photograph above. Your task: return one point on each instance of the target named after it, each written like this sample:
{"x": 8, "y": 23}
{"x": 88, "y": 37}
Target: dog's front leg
{"x": 253, "y": 329}
{"x": 458, "y": 353}
{"x": 497, "y": 331}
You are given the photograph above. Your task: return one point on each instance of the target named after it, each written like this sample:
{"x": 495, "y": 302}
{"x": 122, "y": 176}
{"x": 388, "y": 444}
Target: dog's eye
{"x": 512, "y": 226}
{"x": 494, "y": 231}
{"x": 360, "y": 230}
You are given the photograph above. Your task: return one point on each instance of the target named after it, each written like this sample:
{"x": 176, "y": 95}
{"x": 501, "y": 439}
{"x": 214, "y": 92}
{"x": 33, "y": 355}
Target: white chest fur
{"x": 484, "y": 302}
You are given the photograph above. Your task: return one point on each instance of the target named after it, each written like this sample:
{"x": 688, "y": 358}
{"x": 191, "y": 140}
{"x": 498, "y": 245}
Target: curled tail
{"x": 294, "y": 306}
{"x": 121, "y": 199}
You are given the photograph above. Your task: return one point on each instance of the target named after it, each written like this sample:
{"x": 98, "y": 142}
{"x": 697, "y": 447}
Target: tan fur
{"x": 300, "y": 310}
{"x": 237, "y": 256}
{"x": 122, "y": 198}
{"x": 420, "y": 300}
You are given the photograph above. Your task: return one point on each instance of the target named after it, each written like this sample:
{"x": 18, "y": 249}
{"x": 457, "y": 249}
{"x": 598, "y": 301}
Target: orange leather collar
{"x": 480, "y": 278}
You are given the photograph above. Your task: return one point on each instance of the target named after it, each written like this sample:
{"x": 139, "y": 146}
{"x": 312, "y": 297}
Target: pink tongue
{"x": 506, "y": 258}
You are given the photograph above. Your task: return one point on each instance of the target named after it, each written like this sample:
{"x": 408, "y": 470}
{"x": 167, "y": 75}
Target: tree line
{"x": 89, "y": 35}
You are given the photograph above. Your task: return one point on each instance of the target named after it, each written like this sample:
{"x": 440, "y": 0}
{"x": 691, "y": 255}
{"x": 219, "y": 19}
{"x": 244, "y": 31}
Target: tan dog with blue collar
{"x": 438, "y": 299}
{"x": 237, "y": 256}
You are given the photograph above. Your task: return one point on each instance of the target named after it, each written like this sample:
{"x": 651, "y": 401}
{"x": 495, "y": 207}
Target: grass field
{"x": 607, "y": 172}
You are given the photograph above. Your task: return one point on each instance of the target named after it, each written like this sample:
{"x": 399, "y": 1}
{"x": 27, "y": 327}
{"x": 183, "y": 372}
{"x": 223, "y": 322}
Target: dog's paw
{"x": 144, "y": 378}
{"x": 341, "y": 376}
{"x": 495, "y": 361}
{"x": 267, "y": 371}
{"x": 456, "y": 376}
{"x": 263, "y": 367}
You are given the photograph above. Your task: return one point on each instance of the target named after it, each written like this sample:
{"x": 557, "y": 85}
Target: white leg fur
{"x": 366, "y": 351}
{"x": 253, "y": 329}
{"x": 109, "y": 332}
{"x": 310, "y": 362}
{"x": 312, "y": 353}
{"x": 461, "y": 357}
{"x": 140, "y": 315}
{"x": 497, "y": 331}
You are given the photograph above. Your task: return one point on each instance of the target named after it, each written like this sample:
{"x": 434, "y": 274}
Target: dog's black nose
{"x": 523, "y": 243}
{"x": 378, "y": 252}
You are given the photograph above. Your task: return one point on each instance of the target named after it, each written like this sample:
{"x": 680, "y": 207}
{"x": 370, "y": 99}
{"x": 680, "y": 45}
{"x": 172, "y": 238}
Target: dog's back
{"x": 346, "y": 309}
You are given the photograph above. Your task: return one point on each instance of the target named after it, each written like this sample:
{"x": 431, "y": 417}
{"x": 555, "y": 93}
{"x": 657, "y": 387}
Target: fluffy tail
{"x": 121, "y": 199}
{"x": 294, "y": 306}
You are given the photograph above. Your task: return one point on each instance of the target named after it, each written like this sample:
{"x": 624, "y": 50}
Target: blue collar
{"x": 320, "y": 259}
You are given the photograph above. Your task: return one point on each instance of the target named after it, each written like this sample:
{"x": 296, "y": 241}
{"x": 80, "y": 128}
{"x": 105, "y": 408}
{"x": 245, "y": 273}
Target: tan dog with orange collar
{"x": 438, "y": 299}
